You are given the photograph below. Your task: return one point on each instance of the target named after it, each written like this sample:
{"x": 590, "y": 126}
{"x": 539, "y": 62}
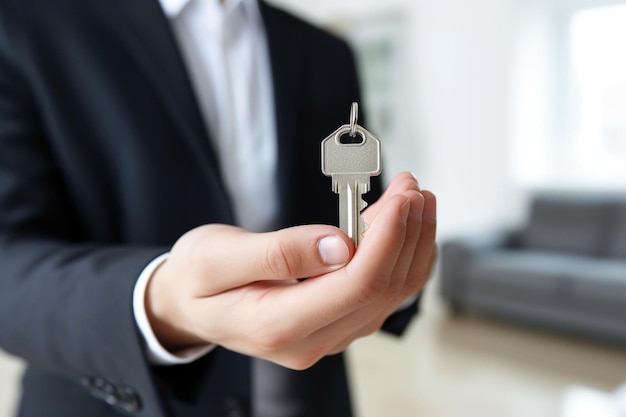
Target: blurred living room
{"x": 513, "y": 112}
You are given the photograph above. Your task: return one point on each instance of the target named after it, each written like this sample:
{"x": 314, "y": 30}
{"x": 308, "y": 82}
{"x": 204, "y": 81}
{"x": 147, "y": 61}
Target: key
{"x": 351, "y": 164}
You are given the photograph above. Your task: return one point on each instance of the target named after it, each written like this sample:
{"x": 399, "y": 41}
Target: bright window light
{"x": 598, "y": 70}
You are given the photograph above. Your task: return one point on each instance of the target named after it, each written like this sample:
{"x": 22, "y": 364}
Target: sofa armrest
{"x": 458, "y": 253}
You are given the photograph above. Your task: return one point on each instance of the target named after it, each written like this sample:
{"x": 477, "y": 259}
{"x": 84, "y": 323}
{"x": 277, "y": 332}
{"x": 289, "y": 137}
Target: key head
{"x": 359, "y": 159}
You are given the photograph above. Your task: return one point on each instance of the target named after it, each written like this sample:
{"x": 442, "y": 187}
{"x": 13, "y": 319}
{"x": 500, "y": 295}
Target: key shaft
{"x": 351, "y": 204}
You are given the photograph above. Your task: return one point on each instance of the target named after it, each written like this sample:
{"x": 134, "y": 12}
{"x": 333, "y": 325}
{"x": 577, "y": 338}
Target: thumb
{"x": 300, "y": 252}
{"x": 227, "y": 257}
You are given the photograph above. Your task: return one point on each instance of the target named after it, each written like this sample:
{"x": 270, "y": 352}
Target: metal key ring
{"x": 354, "y": 117}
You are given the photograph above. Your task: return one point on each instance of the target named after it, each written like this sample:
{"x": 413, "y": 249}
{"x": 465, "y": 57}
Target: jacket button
{"x": 122, "y": 397}
{"x": 233, "y": 407}
{"x": 128, "y": 400}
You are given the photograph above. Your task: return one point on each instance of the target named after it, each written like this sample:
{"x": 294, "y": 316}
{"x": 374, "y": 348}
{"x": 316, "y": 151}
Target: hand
{"x": 240, "y": 290}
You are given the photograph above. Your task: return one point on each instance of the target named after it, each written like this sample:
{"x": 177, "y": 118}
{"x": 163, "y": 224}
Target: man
{"x": 132, "y": 143}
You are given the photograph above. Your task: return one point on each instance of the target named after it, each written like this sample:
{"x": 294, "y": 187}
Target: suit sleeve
{"x": 65, "y": 305}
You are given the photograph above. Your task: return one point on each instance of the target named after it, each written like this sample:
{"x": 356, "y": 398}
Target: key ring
{"x": 354, "y": 117}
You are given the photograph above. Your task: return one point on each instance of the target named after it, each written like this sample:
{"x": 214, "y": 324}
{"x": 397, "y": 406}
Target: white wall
{"x": 455, "y": 92}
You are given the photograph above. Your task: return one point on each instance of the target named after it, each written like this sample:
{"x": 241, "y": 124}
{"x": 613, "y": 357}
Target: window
{"x": 569, "y": 94}
{"x": 598, "y": 82}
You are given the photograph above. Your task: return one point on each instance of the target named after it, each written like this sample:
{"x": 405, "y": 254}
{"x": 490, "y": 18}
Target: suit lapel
{"x": 153, "y": 45}
{"x": 156, "y": 50}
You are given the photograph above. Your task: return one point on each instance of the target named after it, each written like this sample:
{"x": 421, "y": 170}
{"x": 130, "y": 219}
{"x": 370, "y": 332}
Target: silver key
{"x": 351, "y": 165}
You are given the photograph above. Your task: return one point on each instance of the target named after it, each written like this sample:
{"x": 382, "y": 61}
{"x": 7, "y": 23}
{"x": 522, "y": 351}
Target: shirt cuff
{"x": 157, "y": 354}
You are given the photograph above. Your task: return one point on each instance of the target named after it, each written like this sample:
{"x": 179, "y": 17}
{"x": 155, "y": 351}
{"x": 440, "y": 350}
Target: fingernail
{"x": 333, "y": 250}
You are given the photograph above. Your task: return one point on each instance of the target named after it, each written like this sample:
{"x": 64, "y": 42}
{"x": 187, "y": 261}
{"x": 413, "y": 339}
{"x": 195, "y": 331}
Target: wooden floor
{"x": 458, "y": 367}
{"x": 466, "y": 366}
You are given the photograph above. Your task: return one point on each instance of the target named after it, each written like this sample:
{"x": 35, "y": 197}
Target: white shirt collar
{"x": 173, "y": 7}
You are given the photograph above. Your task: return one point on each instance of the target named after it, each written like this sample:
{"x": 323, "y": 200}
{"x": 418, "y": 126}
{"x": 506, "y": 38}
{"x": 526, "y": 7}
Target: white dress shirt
{"x": 225, "y": 51}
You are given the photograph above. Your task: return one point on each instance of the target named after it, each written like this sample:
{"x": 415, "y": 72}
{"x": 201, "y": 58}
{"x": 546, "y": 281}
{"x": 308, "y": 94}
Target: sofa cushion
{"x": 600, "y": 285}
{"x": 616, "y": 232}
{"x": 520, "y": 273}
{"x": 566, "y": 224}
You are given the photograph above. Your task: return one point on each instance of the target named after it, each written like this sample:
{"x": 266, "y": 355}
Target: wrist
{"x": 161, "y": 305}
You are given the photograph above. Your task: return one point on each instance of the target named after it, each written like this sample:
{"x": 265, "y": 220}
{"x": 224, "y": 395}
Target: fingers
{"x": 401, "y": 183}
{"x": 408, "y": 254}
{"x": 385, "y": 239}
{"x": 227, "y": 257}
{"x": 363, "y": 280}
{"x": 426, "y": 248}
{"x": 411, "y": 272}
{"x": 392, "y": 260}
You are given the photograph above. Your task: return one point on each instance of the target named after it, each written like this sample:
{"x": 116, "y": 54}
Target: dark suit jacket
{"x": 104, "y": 163}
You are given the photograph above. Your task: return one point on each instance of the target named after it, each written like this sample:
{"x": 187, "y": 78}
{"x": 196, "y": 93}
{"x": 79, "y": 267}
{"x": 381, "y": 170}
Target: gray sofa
{"x": 564, "y": 270}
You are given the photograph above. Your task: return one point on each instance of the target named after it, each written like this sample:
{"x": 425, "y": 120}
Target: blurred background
{"x": 492, "y": 103}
